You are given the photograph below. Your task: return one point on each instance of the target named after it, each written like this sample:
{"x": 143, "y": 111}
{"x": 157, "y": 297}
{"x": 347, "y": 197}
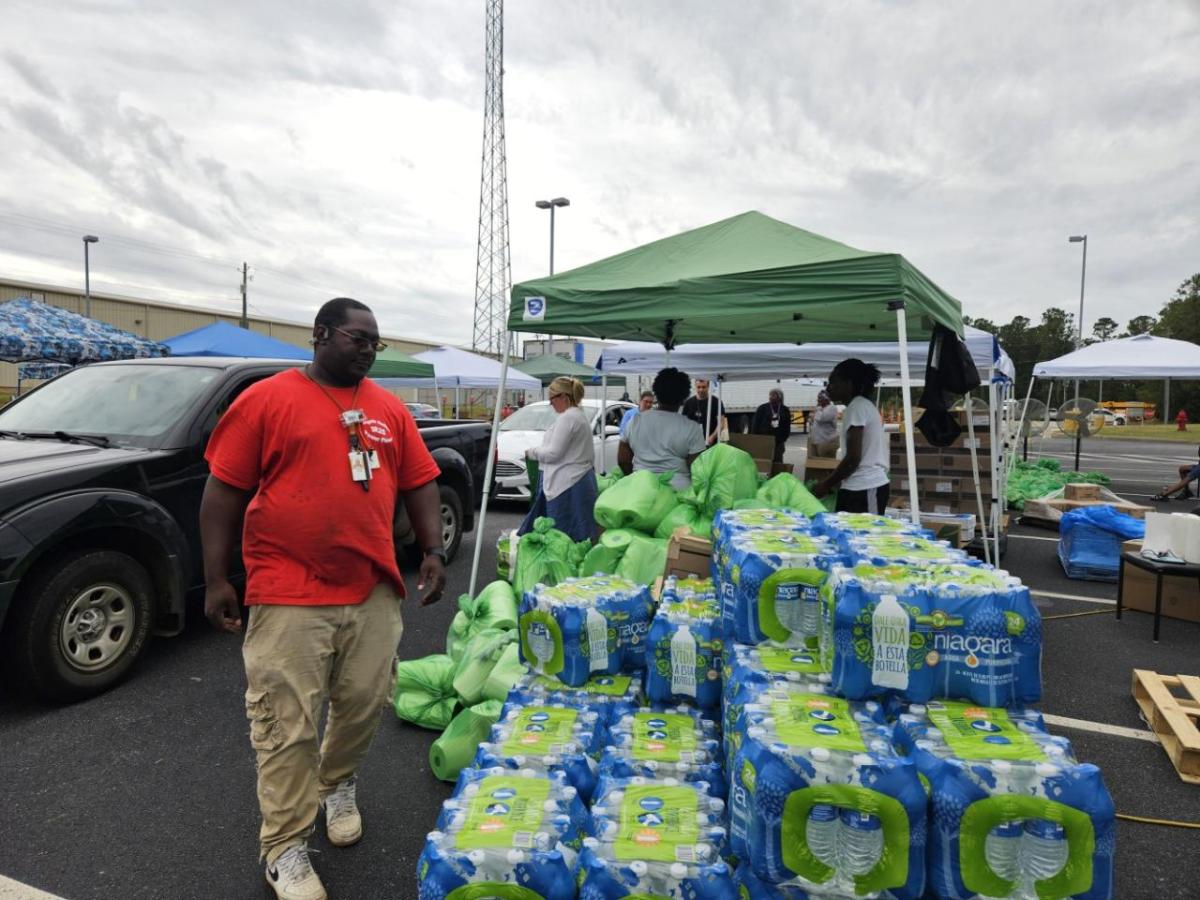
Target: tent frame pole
{"x": 603, "y": 422}
{"x": 999, "y": 477}
{"x": 983, "y": 523}
{"x": 910, "y": 451}
{"x": 1021, "y": 424}
{"x": 488, "y": 472}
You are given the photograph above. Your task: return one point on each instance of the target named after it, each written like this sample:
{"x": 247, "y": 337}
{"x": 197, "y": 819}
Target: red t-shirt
{"x": 313, "y": 536}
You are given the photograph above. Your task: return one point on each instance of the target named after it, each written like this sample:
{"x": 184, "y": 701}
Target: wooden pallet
{"x": 1174, "y": 719}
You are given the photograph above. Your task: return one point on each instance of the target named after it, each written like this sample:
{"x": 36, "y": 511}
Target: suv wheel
{"x": 80, "y": 623}
{"x": 452, "y": 520}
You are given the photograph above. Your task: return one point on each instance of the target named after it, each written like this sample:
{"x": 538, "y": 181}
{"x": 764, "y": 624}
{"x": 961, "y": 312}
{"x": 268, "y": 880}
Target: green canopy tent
{"x": 394, "y": 364}
{"x": 746, "y": 279}
{"x": 547, "y": 368}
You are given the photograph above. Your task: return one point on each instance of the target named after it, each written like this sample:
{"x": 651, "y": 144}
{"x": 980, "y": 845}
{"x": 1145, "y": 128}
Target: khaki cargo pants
{"x": 297, "y": 657}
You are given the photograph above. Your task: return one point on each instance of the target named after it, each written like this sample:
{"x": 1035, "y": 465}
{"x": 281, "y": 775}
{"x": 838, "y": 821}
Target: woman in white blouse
{"x": 567, "y": 479}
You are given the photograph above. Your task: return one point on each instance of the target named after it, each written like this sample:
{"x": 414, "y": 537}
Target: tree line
{"x": 1054, "y": 336}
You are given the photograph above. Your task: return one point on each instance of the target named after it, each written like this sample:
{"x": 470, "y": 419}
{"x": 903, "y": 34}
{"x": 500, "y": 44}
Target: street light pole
{"x": 87, "y": 274}
{"x": 1076, "y": 239}
{"x": 551, "y": 205}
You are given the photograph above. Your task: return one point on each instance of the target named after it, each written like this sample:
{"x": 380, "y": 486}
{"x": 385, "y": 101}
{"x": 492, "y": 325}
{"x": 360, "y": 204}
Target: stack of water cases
{"x": 685, "y": 649}
{"x": 610, "y": 695}
{"x": 841, "y": 527}
{"x": 821, "y": 803}
{"x": 917, "y": 632}
{"x": 666, "y": 742}
{"x": 584, "y": 627}
{"x": 547, "y": 737}
{"x": 656, "y": 837}
{"x": 1014, "y": 814}
{"x": 903, "y": 549}
{"x": 512, "y": 834}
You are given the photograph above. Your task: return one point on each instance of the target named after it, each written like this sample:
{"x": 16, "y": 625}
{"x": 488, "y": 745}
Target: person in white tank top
{"x": 861, "y": 477}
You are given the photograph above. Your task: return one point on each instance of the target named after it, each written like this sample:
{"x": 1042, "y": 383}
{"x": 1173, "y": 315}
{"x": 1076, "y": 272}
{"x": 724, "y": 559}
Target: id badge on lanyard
{"x": 363, "y": 461}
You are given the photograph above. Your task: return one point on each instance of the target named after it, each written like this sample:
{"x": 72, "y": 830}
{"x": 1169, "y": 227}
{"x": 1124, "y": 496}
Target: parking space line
{"x": 14, "y": 890}
{"x": 1100, "y": 728}
{"x": 1033, "y": 537}
{"x": 1054, "y": 595}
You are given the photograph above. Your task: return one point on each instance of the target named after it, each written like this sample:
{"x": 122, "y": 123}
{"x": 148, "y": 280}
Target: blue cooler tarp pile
{"x": 844, "y": 711}
{"x": 1090, "y": 538}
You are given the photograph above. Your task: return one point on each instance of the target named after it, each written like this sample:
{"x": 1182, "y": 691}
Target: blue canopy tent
{"x": 31, "y": 331}
{"x": 223, "y": 339}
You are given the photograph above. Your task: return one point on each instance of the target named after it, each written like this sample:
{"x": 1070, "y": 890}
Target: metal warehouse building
{"x": 159, "y": 321}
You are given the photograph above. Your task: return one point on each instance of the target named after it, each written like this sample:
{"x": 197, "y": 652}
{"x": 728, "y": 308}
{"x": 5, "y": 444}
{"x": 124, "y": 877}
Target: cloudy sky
{"x": 336, "y": 146}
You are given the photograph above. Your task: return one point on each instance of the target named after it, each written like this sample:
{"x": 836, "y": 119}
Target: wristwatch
{"x": 439, "y": 552}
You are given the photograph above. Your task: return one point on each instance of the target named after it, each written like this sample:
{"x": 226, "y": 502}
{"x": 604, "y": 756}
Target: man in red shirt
{"x": 314, "y": 459}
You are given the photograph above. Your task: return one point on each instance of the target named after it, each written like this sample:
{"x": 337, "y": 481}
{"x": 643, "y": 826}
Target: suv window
{"x": 132, "y": 405}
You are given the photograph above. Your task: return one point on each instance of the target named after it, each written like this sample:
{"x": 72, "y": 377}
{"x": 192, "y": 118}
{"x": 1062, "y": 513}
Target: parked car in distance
{"x": 525, "y": 428}
{"x": 101, "y": 474}
{"x": 423, "y": 411}
{"x": 1110, "y": 417}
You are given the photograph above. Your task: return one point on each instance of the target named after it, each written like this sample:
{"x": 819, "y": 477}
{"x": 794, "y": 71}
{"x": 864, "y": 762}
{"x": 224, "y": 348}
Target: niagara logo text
{"x": 971, "y": 644}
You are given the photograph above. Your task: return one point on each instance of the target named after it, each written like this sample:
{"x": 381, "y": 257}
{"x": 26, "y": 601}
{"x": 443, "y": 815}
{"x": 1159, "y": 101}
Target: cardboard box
{"x": 1130, "y": 509}
{"x": 760, "y": 446}
{"x": 1180, "y": 596}
{"x": 983, "y": 442}
{"x": 930, "y": 485}
{"x": 959, "y": 529}
{"x": 777, "y": 468}
{"x": 1080, "y": 491}
{"x": 688, "y": 555}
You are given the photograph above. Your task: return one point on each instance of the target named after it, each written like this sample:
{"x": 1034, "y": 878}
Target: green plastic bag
{"x": 751, "y": 503}
{"x": 454, "y": 750}
{"x": 644, "y": 558}
{"x": 506, "y": 554}
{"x": 640, "y": 501}
{"x": 601, "y": 559}
{"x": 688, "y": 515}
{"x": 479, "y": 657}
{"x": 785, "y": 491}
{"x": 508, "y": 671}
{"x": 721, "y": 476}
{"x": 546, "y": 556}
{"x": 829, "y": 501}
{"x": 604, "y": 482}
{"x": 495, "y": 607}
{"x": 425, "y": 691}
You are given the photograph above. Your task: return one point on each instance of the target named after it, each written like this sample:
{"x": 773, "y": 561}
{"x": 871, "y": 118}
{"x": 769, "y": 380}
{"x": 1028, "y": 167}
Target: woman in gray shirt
{"x": 662, "y": 439}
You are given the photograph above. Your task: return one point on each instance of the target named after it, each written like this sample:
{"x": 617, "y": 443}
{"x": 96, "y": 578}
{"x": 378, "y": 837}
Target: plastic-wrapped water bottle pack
{"x": 610, "y": 695}
{"x": 769, "y": 586}
{"x": 505, "y": 833}
{"x": 1013, "y": 814}
{"x": 585, "y": 626}
{"x": 926, "y": 631}
{"x": 674, "y": 743}
{"x": 903, "y": 549}
{"x": 656, "y": 837}
{"x": 819, "y": 799}
{"x": 685, "y": 646}
{"x": 547, "y": 738}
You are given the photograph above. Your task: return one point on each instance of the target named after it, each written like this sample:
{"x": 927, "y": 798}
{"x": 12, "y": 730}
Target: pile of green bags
{"x": 785, "y": 491}
{"x": 494, "y": 608}
{"x": 639, "y": 501}
{"x": 721, "y": 476}
{"x": 506, "y": 554}
{"x": 424, "y": 693}
{"x": 1029, "y": 481}
{"x": 546, "y": 556}
{"x": 454, "y": 750}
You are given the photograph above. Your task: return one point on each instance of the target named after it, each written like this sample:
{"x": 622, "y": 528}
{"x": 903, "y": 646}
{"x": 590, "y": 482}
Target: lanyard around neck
{"x": 333, "y": 399}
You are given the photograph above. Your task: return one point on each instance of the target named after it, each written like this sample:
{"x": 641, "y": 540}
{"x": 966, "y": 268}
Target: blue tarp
{"x": 32, "y": 331}
{"x": 1089, "y": 545}
{"x": 223, "y": 339}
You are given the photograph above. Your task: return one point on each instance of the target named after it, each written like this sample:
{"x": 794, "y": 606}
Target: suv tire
{"x": 452, "y": 519}
{"x": 79, "y": 624}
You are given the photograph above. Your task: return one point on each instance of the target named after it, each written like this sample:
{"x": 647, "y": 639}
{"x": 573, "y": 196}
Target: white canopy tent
{"x": 1143, "y": 356}
{"x": 462, "y": 369}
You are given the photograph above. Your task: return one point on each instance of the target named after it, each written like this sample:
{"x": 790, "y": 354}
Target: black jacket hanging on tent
{"x": 949, "y": 373}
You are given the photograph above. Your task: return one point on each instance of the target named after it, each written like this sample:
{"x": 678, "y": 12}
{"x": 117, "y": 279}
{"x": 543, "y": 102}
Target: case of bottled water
{"x": 926, "y": 631}
{"x": 769, "y": 586}
{"x": 819, "y": 797}
{"x": 656, "y": 837}
{"x": 685, "y": 648}
{"x": 610, "y": 695}
{"x": 671, "y": 743}
{"x": 750, "y": 684}
{"x": 903, "y": 549}
{"x": 547, "y": 738}
{"x": 841, "y": 527}
{"x": 504, "y": 834}
{"x": 584, "y": 627}
{"x": 751, "y": 887}
{"x": 1014, "y": 815}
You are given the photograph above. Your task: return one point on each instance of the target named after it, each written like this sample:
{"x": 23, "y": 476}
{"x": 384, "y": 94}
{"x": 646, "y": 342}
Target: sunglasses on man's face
{"x": 361, "y": 341}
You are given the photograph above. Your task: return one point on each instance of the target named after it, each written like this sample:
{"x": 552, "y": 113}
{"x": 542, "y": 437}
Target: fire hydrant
{"x": 1181, "y": 420}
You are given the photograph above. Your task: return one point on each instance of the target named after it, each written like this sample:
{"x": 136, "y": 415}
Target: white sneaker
{"x": 292, "y": 876}
{"x": 343, "y": 824}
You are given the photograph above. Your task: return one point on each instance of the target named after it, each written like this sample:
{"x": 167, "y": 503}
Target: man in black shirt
{"x": 705, "y": 410}
{"x": 775, "y": 419}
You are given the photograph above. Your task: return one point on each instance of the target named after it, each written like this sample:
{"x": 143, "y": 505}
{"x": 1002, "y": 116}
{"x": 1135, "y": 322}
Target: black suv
{"x": 101, "y": 474}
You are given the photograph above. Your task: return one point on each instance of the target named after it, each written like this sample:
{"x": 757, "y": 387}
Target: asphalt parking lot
{"x": 148, "y": 791}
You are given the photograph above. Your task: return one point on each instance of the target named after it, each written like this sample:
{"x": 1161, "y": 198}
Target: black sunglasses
{"x": 363, "y": 343}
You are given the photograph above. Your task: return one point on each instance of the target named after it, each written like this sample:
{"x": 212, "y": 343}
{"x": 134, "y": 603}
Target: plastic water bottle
{"x": 790, "y": 609}
{"x": 1043, "y": 851}
{"x": 683, "y": 662}
{"x": 1002, "y": 847}
{"x": 810, "y": 621}
{"x": 860, "y": 845}
{"x": 597, "y": 634}
{"x": 822, "y": 833}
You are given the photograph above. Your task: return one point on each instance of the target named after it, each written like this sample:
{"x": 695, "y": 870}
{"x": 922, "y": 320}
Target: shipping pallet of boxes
{"x": 946, "y": 483}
